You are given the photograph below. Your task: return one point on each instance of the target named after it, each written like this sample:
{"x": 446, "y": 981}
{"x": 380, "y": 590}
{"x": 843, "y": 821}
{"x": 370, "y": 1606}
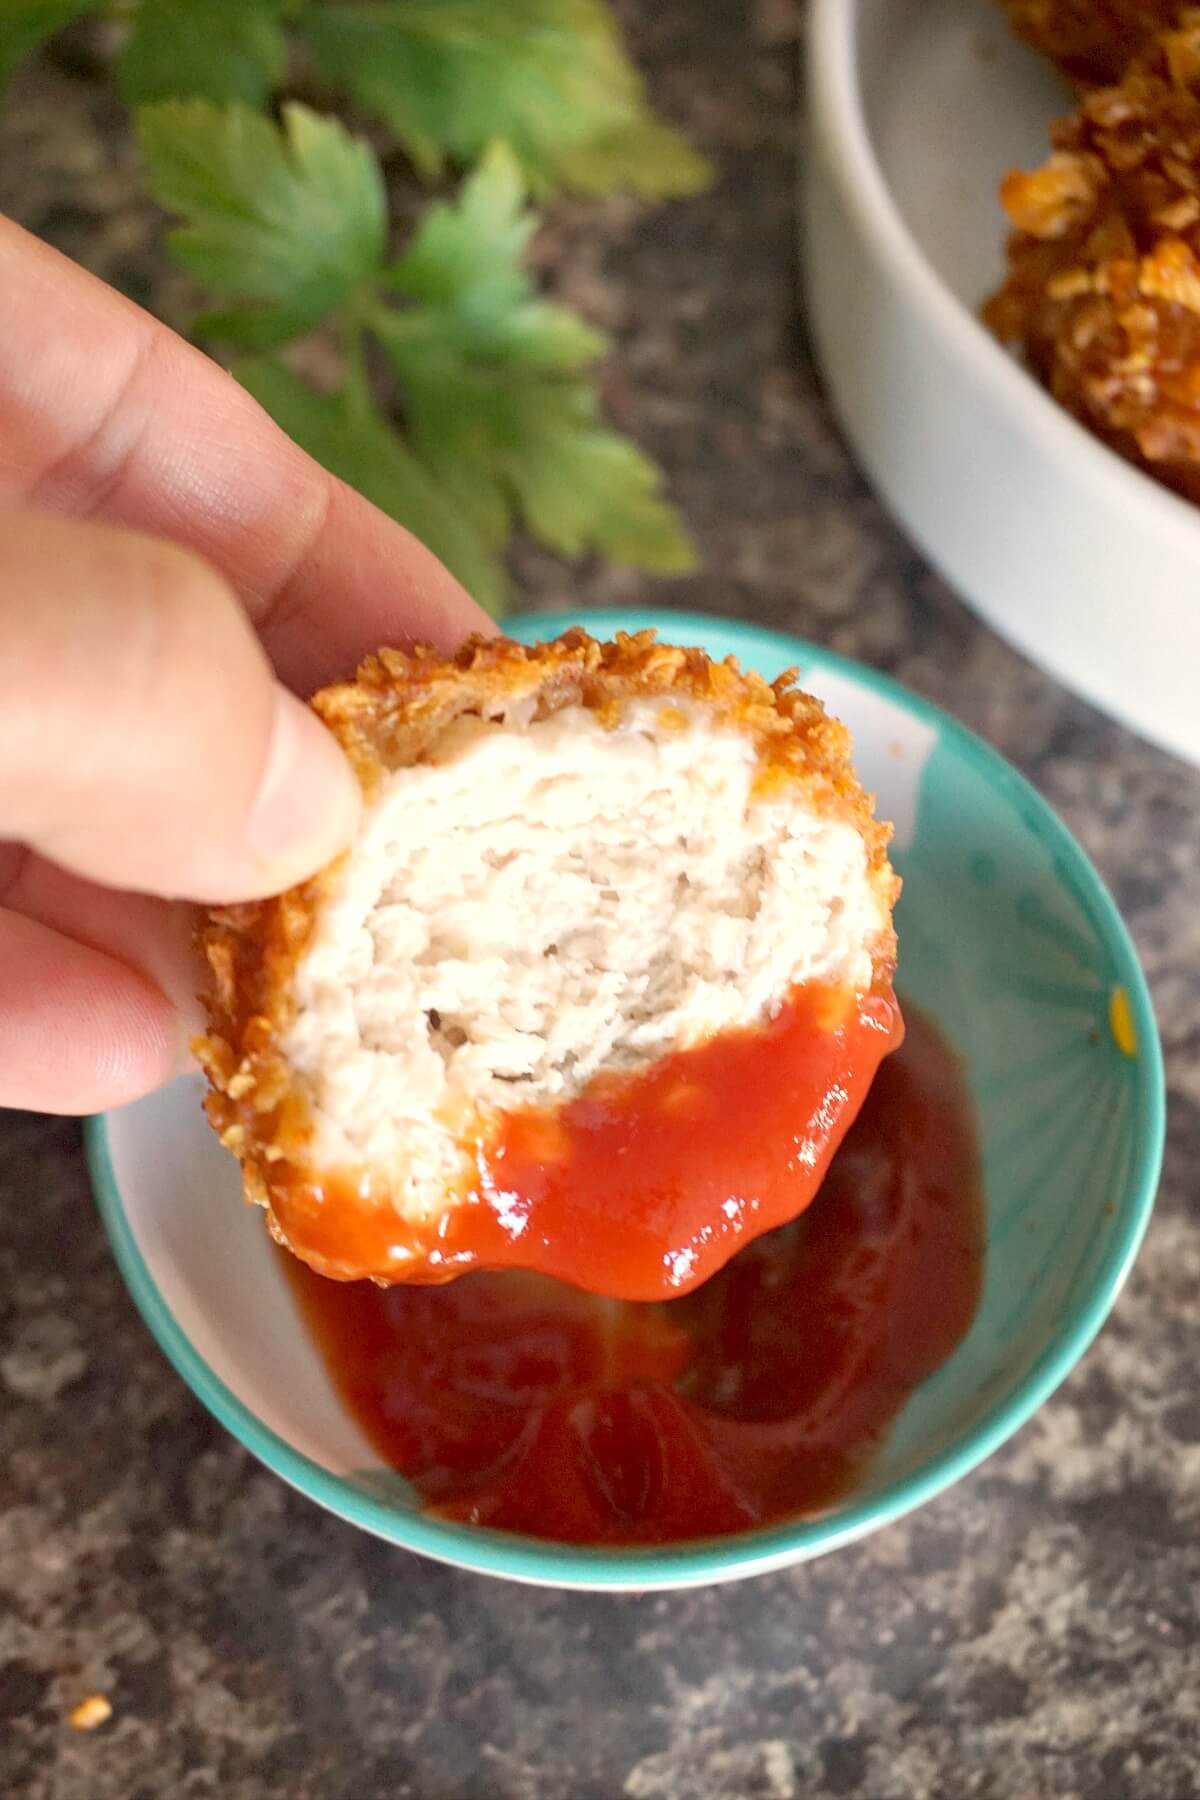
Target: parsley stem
{"x": 388, "y": 321}
{"x": 373, "y": 12}
{"x": 356, "y": 383}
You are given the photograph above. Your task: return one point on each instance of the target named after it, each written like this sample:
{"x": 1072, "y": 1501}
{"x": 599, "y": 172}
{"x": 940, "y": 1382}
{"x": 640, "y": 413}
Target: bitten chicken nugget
{"x": 1092, "y": 41}
{"x": 1103, "y": 288}
{"x": 596, "y": 991}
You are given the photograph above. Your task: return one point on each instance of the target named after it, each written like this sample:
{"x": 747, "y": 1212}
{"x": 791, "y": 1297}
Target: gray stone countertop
{"x": 1033, "y": 1632}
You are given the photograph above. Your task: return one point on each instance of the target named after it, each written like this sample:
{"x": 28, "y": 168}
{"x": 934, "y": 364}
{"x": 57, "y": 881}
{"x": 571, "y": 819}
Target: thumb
{"x": 144, "y": 740}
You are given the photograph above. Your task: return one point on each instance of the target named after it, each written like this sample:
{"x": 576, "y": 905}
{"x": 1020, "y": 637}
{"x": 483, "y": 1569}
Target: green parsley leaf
{"x": 293, "y": 214}
{"x": 495, "y": 398}
{"x": 548, "y": 76}
{"x": 350, "y": 437}
{"x": 25, "y": 23}
{"x": 213, "y": 49}
{"x": 251, "y": 328}
{"x": 640, "y": 153}
{"x": 464, "y": 265}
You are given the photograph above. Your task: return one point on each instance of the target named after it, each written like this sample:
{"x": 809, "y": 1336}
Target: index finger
{"x": 106, "y": 414}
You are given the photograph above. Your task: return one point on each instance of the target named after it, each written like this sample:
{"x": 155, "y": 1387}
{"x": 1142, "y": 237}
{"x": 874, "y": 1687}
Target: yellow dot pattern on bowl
{"x": 1120, "y": 1022}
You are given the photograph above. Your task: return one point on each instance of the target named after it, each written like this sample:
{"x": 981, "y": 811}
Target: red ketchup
{"x": 647, "y": 1184}
{"x": 513, "y": 1400}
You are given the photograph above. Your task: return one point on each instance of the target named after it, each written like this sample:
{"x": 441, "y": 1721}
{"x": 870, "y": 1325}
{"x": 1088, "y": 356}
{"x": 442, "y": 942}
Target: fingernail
{"x": 309, "y": 803}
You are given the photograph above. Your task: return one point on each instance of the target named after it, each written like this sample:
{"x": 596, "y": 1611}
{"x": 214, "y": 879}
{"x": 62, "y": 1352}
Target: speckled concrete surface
{"x": 1031, "y": 1633}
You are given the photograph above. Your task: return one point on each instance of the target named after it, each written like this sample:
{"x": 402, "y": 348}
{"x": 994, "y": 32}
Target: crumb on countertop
{"x": 90, "y": 1713}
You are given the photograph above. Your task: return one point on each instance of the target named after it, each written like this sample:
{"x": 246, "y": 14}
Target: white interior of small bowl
{"x": 1006, "y": 938}
{"x": 218, "y": 1275}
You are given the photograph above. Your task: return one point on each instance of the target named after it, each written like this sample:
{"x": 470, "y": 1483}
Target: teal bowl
{"x": 1008, "y": 938}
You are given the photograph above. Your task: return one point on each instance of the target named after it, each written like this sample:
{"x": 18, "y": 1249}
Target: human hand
{"x": 173, "y": 571}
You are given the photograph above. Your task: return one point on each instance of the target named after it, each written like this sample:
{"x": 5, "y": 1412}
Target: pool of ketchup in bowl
{"x": 515, "y": 1401}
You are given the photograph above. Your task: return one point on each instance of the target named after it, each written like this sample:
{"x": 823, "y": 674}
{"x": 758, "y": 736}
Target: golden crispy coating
{"x": 1092, "y": 41}
{"x": 385, "y": 719}
{"x": 1103, "y": 289}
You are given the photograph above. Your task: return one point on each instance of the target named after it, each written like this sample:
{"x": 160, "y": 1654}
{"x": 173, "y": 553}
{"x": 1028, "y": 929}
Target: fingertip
{"x": 308, "y": 805}
{"x": 79, "y": 1030}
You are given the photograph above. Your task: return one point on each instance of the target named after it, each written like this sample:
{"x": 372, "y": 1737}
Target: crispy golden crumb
{"x": 393, "y": 711}
{"x": 1103, "y": 288}
{"x": 90, "y": 1713}
{"x": 1092, "y": 41}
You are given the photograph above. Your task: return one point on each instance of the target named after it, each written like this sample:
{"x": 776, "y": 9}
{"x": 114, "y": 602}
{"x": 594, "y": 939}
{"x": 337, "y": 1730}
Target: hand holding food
{"x": 618, "y": 879}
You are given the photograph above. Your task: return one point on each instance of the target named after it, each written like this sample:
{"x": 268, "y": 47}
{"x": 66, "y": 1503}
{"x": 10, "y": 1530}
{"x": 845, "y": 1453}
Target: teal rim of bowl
{"x": 539, "y": 1560}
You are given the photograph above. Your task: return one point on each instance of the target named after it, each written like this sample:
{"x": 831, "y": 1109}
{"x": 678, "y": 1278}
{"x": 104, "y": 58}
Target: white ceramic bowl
{"x": 916, "y": 109}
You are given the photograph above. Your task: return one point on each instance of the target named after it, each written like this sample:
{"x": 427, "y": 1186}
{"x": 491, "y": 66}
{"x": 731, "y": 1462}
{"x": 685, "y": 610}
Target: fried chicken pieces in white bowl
{"x": 1037, "y": 480}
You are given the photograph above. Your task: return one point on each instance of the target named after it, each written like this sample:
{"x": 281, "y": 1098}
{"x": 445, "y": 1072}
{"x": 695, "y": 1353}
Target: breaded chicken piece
{"x": 1103, "y": 289}
{"x": 1092, "y": 41}
{"x": 575, "y": 861}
